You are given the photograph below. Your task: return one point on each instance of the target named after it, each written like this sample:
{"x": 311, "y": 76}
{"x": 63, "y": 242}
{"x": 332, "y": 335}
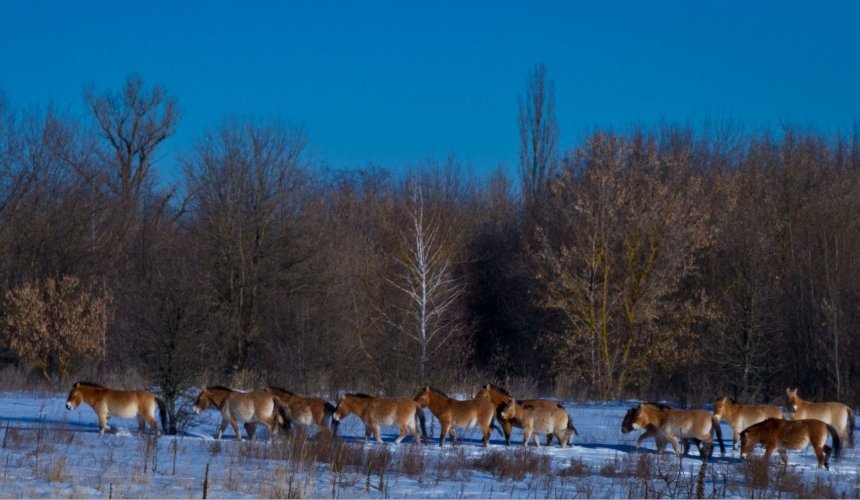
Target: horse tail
{"x": 283, "y": 414}
{"x": 570, "y": 425}
{"x": 162, "y": 413}
{"x": 421, "y": 418}
{"x": 716, "y": 426}
{"x": 329, "y": 410}
{"x": 850, "y": 426}
{"x": 837, "y": 443}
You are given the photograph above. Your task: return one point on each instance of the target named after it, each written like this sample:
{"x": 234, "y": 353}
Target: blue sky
{"x": 396, "y": 83}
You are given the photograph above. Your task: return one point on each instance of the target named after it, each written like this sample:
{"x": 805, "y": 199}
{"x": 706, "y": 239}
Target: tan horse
{"x": 778, "y": 434}
{"x": 674, "y": 424}
{"x": 307, "y": 411}
{"x": 376, "y": 412}
{"x": 838, "y": 415}
{"x": 500, "y": 397}
{"x": 118, "y": 403}
{"x": 453, "y": 413}
{"x": 247, "y": 407}
{"x": 740, "y": 416}
{"x": 550, "y": 421}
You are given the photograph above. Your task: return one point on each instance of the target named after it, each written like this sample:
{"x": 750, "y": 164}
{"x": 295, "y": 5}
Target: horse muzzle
{"x": 69, "y": 406}
{"x": 743, "y": 455}
{"x": 196, "y": 409}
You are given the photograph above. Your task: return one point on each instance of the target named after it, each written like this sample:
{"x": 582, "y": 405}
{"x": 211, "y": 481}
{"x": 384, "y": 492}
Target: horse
{"x": 454, "y": 413}
{"x": 118, "y": 403}
{"x": 674, "y": 424}
{"x": 306, "y": 411}
{"x": 778, "y": 434}
{"x": 500, "y": 397}
{"x": 247, "y": 407}
{"x": 840, "y": 416}
{"x": 740, "y": 416}
{"x": 651, "y": 431}
{"x": 552, "y": 421}
{"x": 376, "y": 412}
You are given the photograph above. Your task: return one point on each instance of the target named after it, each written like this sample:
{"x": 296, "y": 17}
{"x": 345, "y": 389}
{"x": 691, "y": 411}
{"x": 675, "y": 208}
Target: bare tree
{"x": 538, "y": 131}
{"x": 427, "y": 278}
{"x": 133, "y": 122}
{"x": 245, "y": 182}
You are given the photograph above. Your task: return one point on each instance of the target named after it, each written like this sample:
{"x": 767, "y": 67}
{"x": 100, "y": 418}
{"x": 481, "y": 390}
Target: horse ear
{"x": 487, "y": 387}
{"x": 77, "y": 384}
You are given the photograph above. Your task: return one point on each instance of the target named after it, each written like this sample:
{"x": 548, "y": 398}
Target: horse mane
{"x": 360, "y": 395}
{"x": 437, "y": 391}
{"x": 500, "y": 389}
{"x": 220, "y": 388}
{"x": 279, "y": 389}
{"x": 660, "y": 406}
{"x": 89, "y": 384}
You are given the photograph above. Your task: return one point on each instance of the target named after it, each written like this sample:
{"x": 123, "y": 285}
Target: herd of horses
{"x": 279, "y": 409}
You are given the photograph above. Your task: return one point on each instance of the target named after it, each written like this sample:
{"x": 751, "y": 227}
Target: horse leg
{"x": 453, "y": 434}
{"x": 102, "y": 423}
{"x": 487, "y": 431}
{"x": 235, "y": 425}
{"x": 367, "y": 432}
{"x": 674, "y": 441}
{"x": 537, "y": 439}
{"x": 376, "y": 432}
{"x": 827, "y": 451}
{"x": 141, "y": 424}
{"x": 221, "y": 427}
{"x": 153, "y": 425}
{"x": 768, "y": 451}
{"x": 446, "y": 426}
{"x": 250, "y": 429}
{"x": 404, "y": 431}
{"x": 527, "y": 434}
{"x": 415, "y": 434}
{"x": 736, "y": 436}
{"x": 506, "y": 429}
{"x": 784, "y": 456}
{"x": 706, "y": 448}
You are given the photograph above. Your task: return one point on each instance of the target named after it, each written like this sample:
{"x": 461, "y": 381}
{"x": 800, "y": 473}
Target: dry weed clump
{"x": 773, "y": 480}
{"x": 412, "y": 462}
{"x": 514, "y": 465}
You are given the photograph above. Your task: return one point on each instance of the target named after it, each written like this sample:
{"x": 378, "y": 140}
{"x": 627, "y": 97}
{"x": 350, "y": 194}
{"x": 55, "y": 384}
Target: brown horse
{"x": 551, "y": 421}
{"x": 500, "y": 397}
{"x": 674, "y": 424}
{"x": 651, "y": 431}
{"x": 778, "y": 434}
{"x": 838, "y": 415}
{"x": 247, "y": 407}
{"x": 307, "y": 411}
{"x": 453, "y": 413}
{"x": 740, "y": 416}
{"x": 376, "y": 412}
{"x": 118, "y": 403}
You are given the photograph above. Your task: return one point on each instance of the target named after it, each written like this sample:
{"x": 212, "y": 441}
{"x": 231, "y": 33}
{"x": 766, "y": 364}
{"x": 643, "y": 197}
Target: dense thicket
{"x": 665, "y": 262}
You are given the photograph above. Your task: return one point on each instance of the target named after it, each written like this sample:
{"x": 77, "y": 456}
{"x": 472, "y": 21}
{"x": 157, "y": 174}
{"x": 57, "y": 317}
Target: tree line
{"x": 666, "y": 261}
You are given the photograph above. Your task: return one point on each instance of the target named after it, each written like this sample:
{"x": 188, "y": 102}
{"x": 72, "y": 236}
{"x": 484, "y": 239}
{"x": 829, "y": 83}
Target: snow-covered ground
{"x": 48, "y": 451}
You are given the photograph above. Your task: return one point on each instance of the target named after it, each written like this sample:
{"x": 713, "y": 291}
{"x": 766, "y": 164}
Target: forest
{"x": 665, "y": 261}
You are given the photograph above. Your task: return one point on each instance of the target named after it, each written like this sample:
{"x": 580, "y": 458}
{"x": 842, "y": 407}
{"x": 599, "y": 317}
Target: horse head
{"x": 75, "y": 397}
